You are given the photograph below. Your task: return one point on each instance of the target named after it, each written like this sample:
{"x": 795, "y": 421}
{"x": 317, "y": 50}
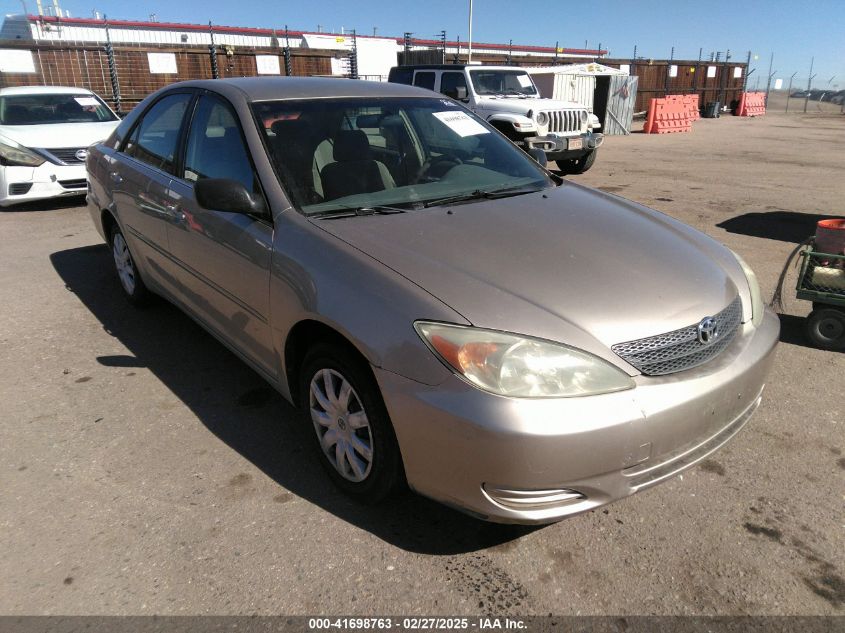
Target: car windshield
{"x": 41, "y": 109}
{"x": 334, "y": 154}
{"x": 502, "y": 82}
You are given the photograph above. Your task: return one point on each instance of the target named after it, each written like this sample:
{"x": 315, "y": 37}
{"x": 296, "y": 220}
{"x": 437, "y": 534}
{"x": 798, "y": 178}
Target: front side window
{"x": 502, "y": 82}
{"x": 450, "y": 82}
{"x": 43, "y": 109}
{"x": 335, "y": 154}
{"x": 216, "y": 147}
{"x": 156, "y": 136}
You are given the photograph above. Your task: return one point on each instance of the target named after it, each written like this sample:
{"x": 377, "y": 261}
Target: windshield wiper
{"x": 358, "y": 211}
{"x": 481, "y": 193}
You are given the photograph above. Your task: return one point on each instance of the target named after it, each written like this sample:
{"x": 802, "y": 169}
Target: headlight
{"x": 512, "y": 365}
{"x": 757, "y": 308}
{"x": 12, "y": 153}
{"x": 584, "y": 117}
{"x": 542, "y": 118}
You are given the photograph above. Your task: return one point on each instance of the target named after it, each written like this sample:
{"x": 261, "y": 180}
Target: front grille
{"x": 679, "y": 350}
{"x": 78, "y": 183}
{"x": 564, "y": 120}
{"x": 66, "y": 154}
{"x": 19, "y": 188}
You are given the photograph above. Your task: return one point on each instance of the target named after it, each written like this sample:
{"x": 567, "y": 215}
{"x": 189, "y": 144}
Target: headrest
{"x": 351, "y": 145}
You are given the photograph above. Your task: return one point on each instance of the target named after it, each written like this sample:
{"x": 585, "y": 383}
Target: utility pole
{"x": 469, "y": 39}
{"x": 809, "y": 83}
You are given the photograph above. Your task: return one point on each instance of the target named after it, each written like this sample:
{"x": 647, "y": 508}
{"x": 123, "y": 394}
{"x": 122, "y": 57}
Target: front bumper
{"x": 21, "y": 184}
{"x": 558, "y": 147}
{"x": 537, "y": 461}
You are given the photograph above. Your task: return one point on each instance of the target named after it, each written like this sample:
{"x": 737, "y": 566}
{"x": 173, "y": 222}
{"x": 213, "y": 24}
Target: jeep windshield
{"x": 405, "y": 153}
{"x": 502, "y": 82}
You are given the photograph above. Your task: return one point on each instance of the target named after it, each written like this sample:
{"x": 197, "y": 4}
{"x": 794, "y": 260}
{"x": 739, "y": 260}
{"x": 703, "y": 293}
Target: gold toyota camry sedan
{"x": 447, "y": 313}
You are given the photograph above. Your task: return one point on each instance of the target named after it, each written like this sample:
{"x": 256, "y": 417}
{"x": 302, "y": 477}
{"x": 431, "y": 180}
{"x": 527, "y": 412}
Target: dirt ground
{"x": 144, "y": 469}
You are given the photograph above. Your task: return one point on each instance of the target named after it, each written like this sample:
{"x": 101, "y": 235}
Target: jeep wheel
{"x": 578, "y": 165}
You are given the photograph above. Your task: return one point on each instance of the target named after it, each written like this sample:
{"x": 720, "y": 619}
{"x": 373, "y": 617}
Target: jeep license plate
{"x": 574, "y": 143}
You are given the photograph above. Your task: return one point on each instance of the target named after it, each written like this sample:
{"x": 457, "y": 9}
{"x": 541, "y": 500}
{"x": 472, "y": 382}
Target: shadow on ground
{"x": 51, "y": 204}
{"x": 785, "y": 226}
{"x": 241, "y": 409}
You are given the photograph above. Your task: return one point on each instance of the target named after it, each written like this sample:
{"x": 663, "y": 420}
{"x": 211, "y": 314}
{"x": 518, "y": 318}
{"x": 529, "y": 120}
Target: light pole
{"x": 469, "y": 39}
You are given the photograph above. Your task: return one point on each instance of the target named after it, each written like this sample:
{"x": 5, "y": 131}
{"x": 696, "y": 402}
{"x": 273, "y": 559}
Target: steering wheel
{"x": 437, "y": 167}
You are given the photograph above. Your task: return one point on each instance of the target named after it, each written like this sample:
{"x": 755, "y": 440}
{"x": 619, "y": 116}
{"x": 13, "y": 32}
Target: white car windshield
{"x": 43, "y": 109}
{"x": 335, "y": 154}
{"x": 502, "y": 82}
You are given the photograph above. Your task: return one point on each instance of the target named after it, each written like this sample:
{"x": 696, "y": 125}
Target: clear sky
{"x": 794, "y": 30}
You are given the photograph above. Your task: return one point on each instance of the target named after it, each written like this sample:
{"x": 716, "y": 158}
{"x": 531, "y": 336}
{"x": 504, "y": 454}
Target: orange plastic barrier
{"x": 667, "y": 115}
{"x": 692, "y": 107}
{"x": 751, "y": 104}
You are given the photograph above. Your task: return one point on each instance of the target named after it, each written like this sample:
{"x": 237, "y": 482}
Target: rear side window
{"x": 215, "y": 146}
{"x": 424, "y": 80}
{"x": 155, "y": 139}
{"x": 400, "y": 76}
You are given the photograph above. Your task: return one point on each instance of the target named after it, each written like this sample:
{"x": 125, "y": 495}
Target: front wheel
{"x": 579, "y": 165}
{"x": 353, "y": 432}
{"x": 130, "y": 281}
{"x": 826, "y": 328}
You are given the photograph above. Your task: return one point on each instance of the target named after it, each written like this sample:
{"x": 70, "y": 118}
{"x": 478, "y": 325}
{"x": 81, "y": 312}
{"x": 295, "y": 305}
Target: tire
{"x": 579, "y": 165}
{"x": 826, "y": 328}
{"x": 133, "y": 286}
{"x": 364, "y": 460}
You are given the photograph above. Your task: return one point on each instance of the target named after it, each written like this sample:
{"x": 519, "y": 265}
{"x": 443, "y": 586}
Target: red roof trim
{"x": 245, "y": 30}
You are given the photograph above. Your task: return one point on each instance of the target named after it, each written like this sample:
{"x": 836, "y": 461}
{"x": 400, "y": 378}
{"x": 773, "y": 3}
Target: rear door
{"x": 223, "y": 258}
{"x": 140, "y": 173}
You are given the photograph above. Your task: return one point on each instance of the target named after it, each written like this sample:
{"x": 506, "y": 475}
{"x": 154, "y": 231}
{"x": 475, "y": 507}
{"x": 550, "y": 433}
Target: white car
{"x": 45, "y": 132}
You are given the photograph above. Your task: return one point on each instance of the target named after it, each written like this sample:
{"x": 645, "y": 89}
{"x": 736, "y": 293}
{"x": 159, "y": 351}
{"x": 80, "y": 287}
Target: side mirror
{"x": 461, "y": 93}
{"x": 224, "y": 194}
{"x": 538, "y": 155}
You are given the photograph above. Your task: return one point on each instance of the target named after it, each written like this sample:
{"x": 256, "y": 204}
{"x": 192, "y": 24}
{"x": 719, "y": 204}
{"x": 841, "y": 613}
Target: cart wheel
{"x": 826, "y": 328}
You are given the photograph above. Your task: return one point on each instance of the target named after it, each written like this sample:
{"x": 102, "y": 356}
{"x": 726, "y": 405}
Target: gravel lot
{"x": 144, "y": 469}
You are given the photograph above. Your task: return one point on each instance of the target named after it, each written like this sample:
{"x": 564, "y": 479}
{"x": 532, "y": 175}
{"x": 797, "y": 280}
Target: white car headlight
{"x": 12, "y": 153}
{"x": 757, "y": 307}
{"x": 584, "y": 117}
{"x": 512, "y": 365}
{"x": 542, "y": 118}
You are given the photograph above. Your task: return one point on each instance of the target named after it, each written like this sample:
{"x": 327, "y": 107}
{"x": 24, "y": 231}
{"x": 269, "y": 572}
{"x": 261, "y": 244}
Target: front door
{"x": 223, "y": 258}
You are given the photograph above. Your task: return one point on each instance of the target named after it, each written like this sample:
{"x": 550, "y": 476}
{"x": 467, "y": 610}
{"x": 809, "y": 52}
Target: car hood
{"x": 58, "y": 134}
{"x": 518, "y": 105}
{"x": 570, "y": 264}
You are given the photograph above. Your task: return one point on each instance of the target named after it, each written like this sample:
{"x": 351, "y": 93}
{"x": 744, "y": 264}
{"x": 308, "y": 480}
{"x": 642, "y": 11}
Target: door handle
{"x": 116, "y": 177}
{"x": 175, "y": 212}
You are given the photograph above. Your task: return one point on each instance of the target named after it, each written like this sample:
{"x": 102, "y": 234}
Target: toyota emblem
{"x": 81, "y": 155}
{"x": 708, "y": 331}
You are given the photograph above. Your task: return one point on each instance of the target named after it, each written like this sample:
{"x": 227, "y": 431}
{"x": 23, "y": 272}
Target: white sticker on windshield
{"x": 460, "y": 123}
{"x": 524, "y": 81}
{"x": 86, "y": 101}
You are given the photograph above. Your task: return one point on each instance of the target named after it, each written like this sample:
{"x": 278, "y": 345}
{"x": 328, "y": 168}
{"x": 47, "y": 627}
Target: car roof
{"x": 40, "y": 90}
{"x": 275, "y": 88}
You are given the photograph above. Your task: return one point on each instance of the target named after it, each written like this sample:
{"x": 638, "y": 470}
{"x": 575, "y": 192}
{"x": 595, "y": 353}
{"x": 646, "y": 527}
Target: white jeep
{"x": 508, "y": 99}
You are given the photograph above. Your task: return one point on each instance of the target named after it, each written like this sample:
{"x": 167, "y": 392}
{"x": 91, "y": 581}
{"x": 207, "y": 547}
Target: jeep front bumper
{"x": 565, "y": 146}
